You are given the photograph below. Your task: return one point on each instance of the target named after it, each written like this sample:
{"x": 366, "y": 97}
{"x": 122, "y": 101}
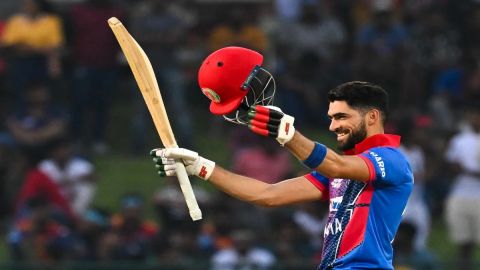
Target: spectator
{"x": 462, "y": 211}
{"x": 416, "y": 211}
{"x": 433, "y": 48}
{"x": 244, "y": 254}
{"x": 34, "y": 38}
{"x": 132, "y": 235}
{"x": 94, "y": 55}
{"x": 381, "y": 48}
{"x": 304, "y": 80}
{"x": 92, "y": 228}
{"x": 36, "y": 123}
{"x": 317, "y": 33}
{"x": 38, "y": 185}
{"x": 253, "y": 159}
{"x": 239, "y": 29}
{"x": 75, "y": 176}
{"x": 40, "y": 235}
{"x": 310, "y": 51}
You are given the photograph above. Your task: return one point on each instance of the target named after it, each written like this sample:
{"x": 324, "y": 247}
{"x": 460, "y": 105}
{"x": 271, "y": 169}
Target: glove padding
{"x": 164, "y": 159}
{"x": 271, "y": 121}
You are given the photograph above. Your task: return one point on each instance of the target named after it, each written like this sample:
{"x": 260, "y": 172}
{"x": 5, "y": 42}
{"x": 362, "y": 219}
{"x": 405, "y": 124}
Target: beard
{"x": 355, "y": 137}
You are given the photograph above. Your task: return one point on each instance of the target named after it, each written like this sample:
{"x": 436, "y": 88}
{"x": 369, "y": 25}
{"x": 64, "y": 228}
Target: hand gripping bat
{"x": 147, "y": 82}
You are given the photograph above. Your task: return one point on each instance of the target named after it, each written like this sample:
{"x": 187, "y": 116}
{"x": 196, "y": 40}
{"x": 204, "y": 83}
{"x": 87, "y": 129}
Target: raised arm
{"x": 271, "y": 121}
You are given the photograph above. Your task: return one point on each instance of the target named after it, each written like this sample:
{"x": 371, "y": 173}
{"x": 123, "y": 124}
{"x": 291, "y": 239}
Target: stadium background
{"x": 428, "y": 60}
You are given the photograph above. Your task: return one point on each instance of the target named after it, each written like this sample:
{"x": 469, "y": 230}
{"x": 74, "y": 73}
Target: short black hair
{"x": 361, "y": 95}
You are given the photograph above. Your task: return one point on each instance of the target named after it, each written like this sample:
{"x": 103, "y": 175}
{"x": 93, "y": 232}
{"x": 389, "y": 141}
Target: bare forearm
{"x": 286, "y": 192}
{"x": 333, "y": 164}
{"x": 240, "y": 187}
{"x": 300, "y": 146}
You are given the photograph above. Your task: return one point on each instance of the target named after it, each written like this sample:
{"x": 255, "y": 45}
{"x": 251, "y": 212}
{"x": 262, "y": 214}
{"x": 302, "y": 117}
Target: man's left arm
{"x": 271, "y": 121}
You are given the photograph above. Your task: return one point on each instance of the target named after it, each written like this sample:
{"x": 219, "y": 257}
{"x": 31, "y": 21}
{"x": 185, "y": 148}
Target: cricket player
{"x": 367, "y": 185}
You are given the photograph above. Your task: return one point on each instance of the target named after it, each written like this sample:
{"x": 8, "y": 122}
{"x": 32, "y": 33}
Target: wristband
{"x": 316, "y": 157}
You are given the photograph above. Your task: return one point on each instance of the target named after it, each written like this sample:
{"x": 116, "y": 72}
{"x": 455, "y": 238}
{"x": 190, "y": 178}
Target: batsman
{"x": 367, "y": 182}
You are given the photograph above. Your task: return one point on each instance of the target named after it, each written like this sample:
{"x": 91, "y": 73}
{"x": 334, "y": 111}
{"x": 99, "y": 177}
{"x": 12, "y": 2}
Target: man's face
{"x": 347, "y": 123}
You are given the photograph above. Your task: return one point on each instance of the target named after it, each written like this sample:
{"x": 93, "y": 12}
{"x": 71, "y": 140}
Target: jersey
{"x": 364, "y": 216}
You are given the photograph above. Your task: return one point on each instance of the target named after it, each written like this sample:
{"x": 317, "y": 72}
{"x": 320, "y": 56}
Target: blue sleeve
{"x": 389, "y": 166}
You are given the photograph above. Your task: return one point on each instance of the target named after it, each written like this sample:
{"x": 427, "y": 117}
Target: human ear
{"x": 373, "y": 116}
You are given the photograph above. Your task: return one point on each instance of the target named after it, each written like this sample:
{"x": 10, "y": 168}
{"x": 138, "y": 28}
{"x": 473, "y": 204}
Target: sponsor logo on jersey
{"x": 335, "y": 203}
{"x": 380, "y": 163}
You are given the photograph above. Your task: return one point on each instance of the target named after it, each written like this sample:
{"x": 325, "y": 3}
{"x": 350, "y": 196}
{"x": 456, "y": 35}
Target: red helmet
{"x": 222, "y": 76}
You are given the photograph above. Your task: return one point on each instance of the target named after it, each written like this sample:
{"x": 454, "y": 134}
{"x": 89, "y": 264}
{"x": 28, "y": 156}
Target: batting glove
{"x": 271, "y": 121}
{"x": 164, "y": 159}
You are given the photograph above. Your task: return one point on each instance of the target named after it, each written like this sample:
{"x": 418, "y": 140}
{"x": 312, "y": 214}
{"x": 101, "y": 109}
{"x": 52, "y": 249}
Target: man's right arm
{"x": 251, "y": 190}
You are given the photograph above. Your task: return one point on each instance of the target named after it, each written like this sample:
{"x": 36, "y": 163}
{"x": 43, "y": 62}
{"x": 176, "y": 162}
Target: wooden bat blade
{"x": 145, "y": 77}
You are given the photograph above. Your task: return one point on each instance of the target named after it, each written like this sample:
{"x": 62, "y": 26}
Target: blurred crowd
{"x": 62, "y": 74}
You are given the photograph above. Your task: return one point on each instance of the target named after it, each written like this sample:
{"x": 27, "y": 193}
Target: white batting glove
{"x": 164, "y": 159}
{"x": 271, "y": 121}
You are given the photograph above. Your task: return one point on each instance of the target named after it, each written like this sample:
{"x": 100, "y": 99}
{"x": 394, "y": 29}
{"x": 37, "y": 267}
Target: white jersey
{"x": 416, "y": 158}
{"x": 416, "y": 211}
{"x": 73, "y": 181}
{"x": 464, "y": 149}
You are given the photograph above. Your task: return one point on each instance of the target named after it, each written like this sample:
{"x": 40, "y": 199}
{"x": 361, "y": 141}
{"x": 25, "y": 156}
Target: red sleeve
{"x": 320, "y": 182}
{"x": 371, "y": 168}
{"x": 39, "y": 184}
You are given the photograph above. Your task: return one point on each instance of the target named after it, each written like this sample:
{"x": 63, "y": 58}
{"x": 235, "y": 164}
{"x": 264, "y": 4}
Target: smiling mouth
{"x": 341, "y": 136}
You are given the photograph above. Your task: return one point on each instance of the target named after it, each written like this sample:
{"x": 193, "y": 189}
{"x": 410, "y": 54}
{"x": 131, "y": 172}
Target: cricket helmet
{"x": 228, "y": 75}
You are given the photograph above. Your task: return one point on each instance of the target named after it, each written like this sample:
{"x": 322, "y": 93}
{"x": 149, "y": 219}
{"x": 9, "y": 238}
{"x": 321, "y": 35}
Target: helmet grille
{"x": 261, "y": 91}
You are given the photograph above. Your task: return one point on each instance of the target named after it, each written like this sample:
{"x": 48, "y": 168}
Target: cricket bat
{"x": 147, "y": 82}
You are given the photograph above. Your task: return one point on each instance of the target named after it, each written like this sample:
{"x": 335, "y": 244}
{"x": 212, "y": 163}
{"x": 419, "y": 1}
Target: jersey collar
{"x": 377, "y": 140}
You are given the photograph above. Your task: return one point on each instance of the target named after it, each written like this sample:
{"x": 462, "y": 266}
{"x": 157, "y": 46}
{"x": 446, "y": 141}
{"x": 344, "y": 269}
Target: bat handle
{"x": 186, "y": 187}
